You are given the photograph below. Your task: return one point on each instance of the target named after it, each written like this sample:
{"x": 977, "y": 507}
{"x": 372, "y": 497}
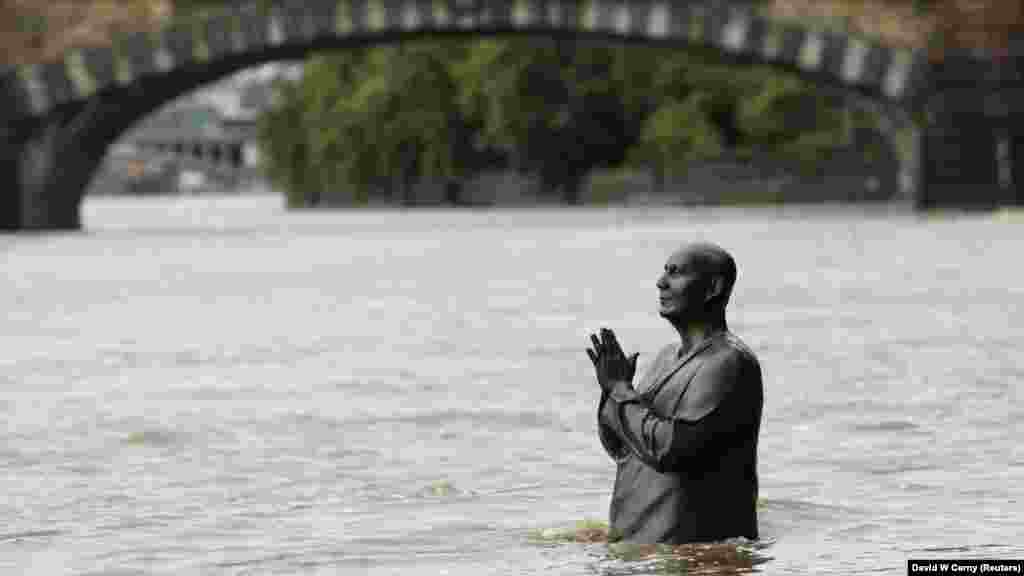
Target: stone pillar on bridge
{"x": 47, "y": 165}
{"x": 1011, "y": 147}
{"x": 974, "y": 133}
{"x": 10, "y": 185}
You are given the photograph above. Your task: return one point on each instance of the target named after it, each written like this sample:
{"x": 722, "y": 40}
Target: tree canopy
{"x": 442, "y": 110}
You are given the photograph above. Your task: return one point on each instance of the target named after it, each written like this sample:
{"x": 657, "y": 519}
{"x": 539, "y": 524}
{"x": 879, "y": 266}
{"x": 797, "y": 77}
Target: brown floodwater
{"x": 214, "y": 385}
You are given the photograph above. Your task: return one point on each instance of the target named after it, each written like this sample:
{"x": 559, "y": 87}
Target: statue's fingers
{"x": 596, "y": 342}
{"x": 613, "y": 345}
{"x": 593, "y": 356}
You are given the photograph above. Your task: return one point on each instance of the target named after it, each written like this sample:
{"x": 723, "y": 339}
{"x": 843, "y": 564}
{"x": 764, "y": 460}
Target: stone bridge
{"x": 59, "y": 117}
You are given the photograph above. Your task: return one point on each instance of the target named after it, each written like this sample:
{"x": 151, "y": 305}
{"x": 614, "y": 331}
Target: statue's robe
{"x": 685, "y": 444}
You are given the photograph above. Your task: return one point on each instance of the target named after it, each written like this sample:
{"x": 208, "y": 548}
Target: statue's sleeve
{"x": 609, "y": 439}
{"x": 606, "y": 431}
{"x": 721, "y": 401}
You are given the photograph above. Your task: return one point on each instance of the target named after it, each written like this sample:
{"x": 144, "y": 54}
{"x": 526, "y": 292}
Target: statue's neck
{"x": 693, "y": 334}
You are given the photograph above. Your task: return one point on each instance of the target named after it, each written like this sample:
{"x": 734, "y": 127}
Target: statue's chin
{"x": 673, "y": 316}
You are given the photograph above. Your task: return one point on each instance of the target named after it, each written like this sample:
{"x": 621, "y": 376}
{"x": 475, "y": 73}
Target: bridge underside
{"x": 62, "y": 116}
{"x": 52, "y": 159}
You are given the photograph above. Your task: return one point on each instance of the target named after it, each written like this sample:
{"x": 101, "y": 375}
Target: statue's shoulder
{"x": 728, "y": 358}
{"x": 725, "y": 366}
{"x": 733, "y": 346}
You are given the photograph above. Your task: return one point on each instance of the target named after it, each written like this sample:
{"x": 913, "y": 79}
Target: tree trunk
{"x": 657, "y": 177}
{"x": 573, "y": 184}
{"x": 409, "y": 181}
{"x": 452, "y": 189}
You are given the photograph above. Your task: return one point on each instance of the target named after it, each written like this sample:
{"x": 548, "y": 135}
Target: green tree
{"x": 704, "y": 105}
{"x": 554, "y": 104}
{"x": 284, "y": 147}
{"x": 365, "y": 119}
{"x": 444, "y": 109}
{"x": 391, "y": 117}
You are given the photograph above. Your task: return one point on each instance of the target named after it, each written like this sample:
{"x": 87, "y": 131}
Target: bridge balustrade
{"x": 60, "y": 116}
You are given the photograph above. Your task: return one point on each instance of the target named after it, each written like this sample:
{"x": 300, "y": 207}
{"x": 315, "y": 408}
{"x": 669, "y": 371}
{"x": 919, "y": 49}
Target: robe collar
{"x": 679, "y": 362}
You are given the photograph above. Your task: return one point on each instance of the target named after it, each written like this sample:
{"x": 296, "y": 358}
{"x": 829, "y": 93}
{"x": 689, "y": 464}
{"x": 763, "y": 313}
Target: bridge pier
{"x": 10, "y": 199}
{"x": 48, "y": 160}
{"x": 974, "y": 133}
{"x": 46, "y": 204}
{"x": 45, "y": 169}
{"x": 48, "y": 164}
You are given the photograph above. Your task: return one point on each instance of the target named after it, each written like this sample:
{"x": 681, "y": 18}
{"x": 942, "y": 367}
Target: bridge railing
{"x": 896, "y": 73}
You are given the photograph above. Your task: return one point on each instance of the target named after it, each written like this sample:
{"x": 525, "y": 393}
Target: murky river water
{"x": 216, "y": 386}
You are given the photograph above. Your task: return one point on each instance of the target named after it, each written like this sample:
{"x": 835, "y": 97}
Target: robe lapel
{"x": 674, "y": 367}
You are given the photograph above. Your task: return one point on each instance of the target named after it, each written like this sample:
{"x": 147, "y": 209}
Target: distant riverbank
{"x": 722, "y": 182}
{"x": 710, "y": 183}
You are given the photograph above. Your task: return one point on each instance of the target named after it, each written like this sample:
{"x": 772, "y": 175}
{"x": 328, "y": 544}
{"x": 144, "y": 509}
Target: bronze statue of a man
{"x": 685, "y": 440}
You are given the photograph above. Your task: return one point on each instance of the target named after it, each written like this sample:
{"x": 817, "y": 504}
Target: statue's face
{"x": 683, "y": 288}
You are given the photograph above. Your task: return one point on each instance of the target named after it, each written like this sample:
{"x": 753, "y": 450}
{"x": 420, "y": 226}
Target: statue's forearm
{"x": 611, "y": 441}
{"x": 665, "y": 444}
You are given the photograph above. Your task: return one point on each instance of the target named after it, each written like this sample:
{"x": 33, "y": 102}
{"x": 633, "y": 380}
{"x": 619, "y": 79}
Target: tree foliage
{"x": 385, "y": 118}
{"x": 285, "y": 143}
{"x": 555, "y": 105}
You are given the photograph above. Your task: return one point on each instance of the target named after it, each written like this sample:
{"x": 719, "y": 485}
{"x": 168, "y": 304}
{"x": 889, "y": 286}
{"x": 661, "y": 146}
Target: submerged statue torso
{"x": 685, "y": 445}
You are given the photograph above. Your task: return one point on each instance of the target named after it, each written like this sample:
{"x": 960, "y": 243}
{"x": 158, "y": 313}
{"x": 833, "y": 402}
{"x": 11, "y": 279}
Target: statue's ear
{"x": 715, "y": 288}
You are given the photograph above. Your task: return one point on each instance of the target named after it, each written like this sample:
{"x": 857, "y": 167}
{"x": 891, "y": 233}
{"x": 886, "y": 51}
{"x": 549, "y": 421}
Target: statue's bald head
{"x": 715, "y": 265}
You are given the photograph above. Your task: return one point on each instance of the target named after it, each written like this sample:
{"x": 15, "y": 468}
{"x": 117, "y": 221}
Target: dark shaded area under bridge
{"x": 59, "y": 118}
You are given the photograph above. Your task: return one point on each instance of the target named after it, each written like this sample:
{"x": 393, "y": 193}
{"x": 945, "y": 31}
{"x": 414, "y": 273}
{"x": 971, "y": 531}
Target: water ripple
{"x": 28, "y": 534}
{"x": 254, "y": 390}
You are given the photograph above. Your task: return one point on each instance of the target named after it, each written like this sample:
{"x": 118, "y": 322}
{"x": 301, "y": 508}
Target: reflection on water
{"x": 213, "y": 385}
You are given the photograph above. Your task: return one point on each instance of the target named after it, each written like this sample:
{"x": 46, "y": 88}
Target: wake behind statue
{"x": 685, "y": 440}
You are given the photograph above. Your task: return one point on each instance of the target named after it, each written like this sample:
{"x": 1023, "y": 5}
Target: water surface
{"x": 217, "y": 386}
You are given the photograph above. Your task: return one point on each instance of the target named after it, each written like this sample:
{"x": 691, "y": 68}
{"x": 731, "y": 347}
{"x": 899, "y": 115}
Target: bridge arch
{"x": 70, "y": 110}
